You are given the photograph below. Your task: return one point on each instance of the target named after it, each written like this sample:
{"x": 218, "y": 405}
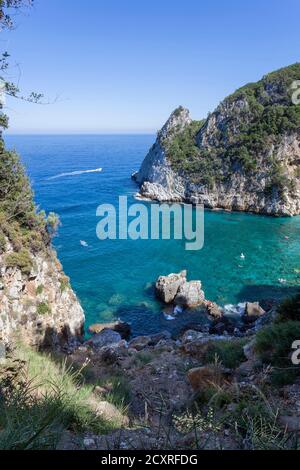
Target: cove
{"x": 112, "y": 278}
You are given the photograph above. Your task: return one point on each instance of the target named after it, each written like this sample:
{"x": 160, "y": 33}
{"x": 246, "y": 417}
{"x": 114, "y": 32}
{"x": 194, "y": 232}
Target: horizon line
{"x": 79, "y": 133}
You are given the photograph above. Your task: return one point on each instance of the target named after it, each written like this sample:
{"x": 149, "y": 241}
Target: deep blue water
{"x": 110, "y": 277}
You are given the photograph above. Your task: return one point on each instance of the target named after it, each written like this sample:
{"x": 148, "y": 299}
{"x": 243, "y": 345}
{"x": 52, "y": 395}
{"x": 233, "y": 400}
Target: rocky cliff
{"x": 36, "y": 300}
{"x": 245, "y": 156}
{"x": 39, "y": 306}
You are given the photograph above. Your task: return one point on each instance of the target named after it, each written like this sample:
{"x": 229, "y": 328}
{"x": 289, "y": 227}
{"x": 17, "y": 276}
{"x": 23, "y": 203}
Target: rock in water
{"x": 105, "y": 338}
{"x": 253, "y": 311}
{"x": 190, "y": 294}
{"x": 123, "y": 328}
{"x": 175, "y": 288}
{"x": 214, "y": 310}
{"x": 167, "y": 286}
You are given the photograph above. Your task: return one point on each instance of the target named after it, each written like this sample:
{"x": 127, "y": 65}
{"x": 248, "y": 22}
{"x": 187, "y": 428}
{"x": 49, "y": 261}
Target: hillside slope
{"x": 245, "y": 156}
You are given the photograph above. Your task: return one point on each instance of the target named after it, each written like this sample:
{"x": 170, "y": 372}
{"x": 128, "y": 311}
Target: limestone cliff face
{"x": 39, "y": 307}
{"x": 156, "y": 176}
{"x": 245, "y": 156}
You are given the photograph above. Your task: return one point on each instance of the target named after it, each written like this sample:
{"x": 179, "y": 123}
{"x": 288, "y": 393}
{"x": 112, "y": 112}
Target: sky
{"x": 122, "y": 66}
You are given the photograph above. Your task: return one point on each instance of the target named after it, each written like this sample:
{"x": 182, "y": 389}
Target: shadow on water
{"x": 254, "y": 293}
{"x": 147, "y": 320}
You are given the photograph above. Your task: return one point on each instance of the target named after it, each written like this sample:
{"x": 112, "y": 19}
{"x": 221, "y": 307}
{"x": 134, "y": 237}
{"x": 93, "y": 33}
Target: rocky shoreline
{"x": 192, "y": 390}
{"x": 169, "y": 375}
{"x": 177, "y": 296}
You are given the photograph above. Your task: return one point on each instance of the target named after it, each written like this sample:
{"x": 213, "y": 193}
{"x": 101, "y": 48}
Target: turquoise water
{"x": 112, "y": 278}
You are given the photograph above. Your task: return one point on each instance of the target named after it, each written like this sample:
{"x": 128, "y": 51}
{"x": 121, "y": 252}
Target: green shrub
{"x": 13, "y": 232}
{"x": 244, "y": 137}
{"x": 39, "y": 289}
{"x": 52, "y": 223}
{"x": 64, "y": 283}
{"x": 144, "y": 358}
{"x": 229, "y": 353}
{"x": 274, "y": 346}
{"x": 253, "y": 417}
{"x": 119, "y": 392}
{"x": 43, "y": 308}
{"x": 214, "y": 396}
{"x": 34, "y": 241}
{"x": 289, "y": 309}
{"x": 23, "y": 225}
{"x": 21, "y": 260}
{"x": 28, "y": 423}
{"x": 2, "y": 243}
{"x": 274, "y": 342}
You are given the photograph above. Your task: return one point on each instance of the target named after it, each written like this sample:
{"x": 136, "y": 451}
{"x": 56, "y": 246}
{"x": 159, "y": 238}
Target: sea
{"x": 114, "y": 278}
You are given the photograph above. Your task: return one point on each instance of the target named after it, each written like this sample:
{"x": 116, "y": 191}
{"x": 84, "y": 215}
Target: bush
{"x": 229, "y": 353}
{"x": 39, "y": 289}
{"x": 64, "y": 283}
{"x": 43, "y": 308}
{"x": 119, "y": 392}
{"x": 274, "y": 342}
{"x": 19, "y": 219}
{"x": 289, "y": 309}
{"x": 2, "y": 243}
{"x": 274, "y": 346}
{"x": 239, "y": 141}
{"x": 21, "y": 260}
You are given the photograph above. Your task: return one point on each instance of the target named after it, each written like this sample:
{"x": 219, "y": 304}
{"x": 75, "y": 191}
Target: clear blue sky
{"x": 123, "y": 66}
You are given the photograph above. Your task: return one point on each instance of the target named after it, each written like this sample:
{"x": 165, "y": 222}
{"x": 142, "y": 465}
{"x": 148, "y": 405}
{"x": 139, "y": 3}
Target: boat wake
{"x": 75, "y": 173}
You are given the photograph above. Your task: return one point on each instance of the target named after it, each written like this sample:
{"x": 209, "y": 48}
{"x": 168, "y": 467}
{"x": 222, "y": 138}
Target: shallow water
{"x": 112, "y": 278}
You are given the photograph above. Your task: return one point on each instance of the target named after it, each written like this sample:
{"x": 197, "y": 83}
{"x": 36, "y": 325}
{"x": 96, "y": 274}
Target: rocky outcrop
{"x": 39, "y": 307}
{"x": 156, "y": 176}
{"x": 123, "y": 328}
{"x": 244, "y": 157}
{"x": 190, "y": 294}
{"x": 255, "y": 314}
{"x": 105, "y": 338}
{"x": 166, "y": 287}
{"x": 214, "y": 310}
{"x": 175, "y": 288}
{"x": 253, "y": 310}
